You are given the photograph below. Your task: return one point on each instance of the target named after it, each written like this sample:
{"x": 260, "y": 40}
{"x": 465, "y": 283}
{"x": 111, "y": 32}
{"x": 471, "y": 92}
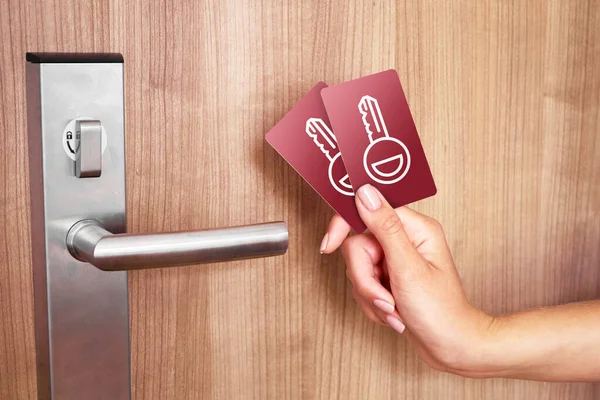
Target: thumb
{"x": 385, "y": 225}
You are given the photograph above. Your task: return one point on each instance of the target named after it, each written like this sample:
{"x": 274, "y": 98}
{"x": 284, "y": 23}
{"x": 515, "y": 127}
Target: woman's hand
{"x": 403, "y": 276}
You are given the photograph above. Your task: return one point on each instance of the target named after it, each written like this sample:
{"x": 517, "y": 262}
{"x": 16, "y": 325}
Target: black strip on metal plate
{"x": 54, "y": 58}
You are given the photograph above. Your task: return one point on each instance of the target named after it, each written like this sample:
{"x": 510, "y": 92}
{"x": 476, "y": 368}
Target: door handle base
{"x": 78, "y": 227}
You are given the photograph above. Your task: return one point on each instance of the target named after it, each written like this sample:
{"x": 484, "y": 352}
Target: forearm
{"x": 552, "y": 344}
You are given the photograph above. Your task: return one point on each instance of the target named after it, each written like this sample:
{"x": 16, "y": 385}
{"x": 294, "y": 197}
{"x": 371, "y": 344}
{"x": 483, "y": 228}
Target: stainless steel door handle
{"x": 75, "y": 123}
{"x": 88, "y": 241}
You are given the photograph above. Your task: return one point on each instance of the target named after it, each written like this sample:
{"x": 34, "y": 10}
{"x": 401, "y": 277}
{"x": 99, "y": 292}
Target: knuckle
{"x": 361, "y": 289}
{"x": 346, "y": 246}
{"x": 434, "y": 226}
{"x": 350, "y": 245}
{"x": 391, "y": 224}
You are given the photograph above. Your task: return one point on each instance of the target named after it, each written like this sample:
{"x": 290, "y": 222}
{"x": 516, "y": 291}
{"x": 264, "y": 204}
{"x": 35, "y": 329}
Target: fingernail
{"x": 395, "y": 323}
{"x": 368, "y": 197}
{"x": 324, "y": 243}
{"x": 384, "y": 306}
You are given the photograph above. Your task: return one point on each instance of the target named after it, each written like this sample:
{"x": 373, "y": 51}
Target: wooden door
{"x": 506, "y": 97}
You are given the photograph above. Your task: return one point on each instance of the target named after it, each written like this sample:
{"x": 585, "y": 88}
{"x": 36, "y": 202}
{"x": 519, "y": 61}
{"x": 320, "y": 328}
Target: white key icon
{"x": 379, "y": 169}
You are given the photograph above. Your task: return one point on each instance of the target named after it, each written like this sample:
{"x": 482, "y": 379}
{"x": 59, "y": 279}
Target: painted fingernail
{"x": 395, "y": 323}
{"x": 368, "y": 197}
{"x": 324, "y": 243}
{"x": 384, "y": 306}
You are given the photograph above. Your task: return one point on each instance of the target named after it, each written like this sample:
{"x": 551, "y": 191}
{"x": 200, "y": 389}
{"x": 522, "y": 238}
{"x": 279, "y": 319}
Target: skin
{"x": 404, "y": 277}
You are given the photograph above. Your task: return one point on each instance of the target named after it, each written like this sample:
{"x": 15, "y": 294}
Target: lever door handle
{"x": 88, "y": 241}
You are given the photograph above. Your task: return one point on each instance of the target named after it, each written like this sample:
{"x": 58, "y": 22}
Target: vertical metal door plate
{"x": 81, "y": 313}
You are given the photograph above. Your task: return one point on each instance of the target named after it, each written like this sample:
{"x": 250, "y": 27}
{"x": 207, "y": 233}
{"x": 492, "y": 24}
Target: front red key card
{"x": 305, "y": 140}
{"x": 378, "y": 138}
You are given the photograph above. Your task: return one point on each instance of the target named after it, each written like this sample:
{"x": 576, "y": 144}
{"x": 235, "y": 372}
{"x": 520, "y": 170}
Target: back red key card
{"x": 378, "y": 138}
{"x": 305, "y": 140}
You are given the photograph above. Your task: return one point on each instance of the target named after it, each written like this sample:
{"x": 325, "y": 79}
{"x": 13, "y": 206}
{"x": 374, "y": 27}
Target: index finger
{"x": 336, "y": 233}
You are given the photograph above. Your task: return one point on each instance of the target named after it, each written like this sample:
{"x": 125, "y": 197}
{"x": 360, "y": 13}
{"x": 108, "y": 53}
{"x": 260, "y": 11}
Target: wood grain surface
{"x": 506, "y": 97}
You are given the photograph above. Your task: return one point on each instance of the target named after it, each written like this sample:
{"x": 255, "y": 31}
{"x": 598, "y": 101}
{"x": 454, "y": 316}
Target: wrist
{"x": 484, "y": 356}
{"x": 476, "y": 354}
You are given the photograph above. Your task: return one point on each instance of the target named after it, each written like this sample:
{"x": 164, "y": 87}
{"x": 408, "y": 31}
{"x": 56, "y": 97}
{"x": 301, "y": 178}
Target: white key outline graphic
{"x": 369, "y": 107}
{"x": 317, "y": 129}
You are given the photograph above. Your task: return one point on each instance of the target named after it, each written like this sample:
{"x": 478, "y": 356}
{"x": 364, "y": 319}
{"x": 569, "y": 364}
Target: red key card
{"x": 378, "y": 138}
{"x": 304, "y": 138}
